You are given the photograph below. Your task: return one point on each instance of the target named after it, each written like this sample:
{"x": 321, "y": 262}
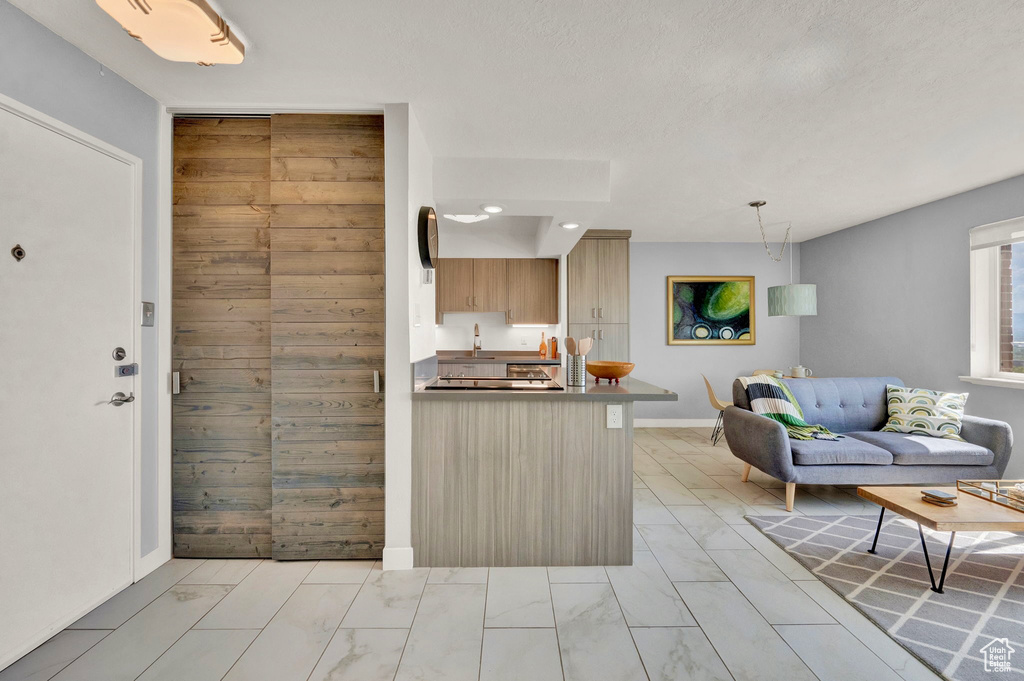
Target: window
{"x": 997, "y": 304}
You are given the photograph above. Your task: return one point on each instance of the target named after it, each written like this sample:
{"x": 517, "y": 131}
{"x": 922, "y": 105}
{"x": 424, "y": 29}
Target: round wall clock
{"x": 428, "y": 237}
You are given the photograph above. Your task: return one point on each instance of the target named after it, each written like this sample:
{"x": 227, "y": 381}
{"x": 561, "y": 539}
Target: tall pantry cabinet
{"x": 278, "y": 429}
{"x": 598, "y": 293}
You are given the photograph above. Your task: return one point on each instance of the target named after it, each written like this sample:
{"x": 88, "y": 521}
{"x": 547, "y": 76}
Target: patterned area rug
{"x": 975, "y": 630}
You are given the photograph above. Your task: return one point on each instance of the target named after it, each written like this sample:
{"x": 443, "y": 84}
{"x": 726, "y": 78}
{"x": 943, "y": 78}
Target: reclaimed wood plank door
{"x": 221, "y": 486}
{"x": 327, "y": 335}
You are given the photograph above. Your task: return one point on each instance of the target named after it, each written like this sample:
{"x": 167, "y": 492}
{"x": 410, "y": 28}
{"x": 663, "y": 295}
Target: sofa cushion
{"x": 925, "y": 412}
{"x": 923, "y": 450}
{"x": 839, "y": 404}
{"x": 846, "y": 450}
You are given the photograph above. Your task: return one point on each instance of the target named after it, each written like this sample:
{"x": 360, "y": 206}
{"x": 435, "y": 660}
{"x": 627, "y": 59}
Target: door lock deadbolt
{"x": 18, "y": 252}
{"x": 119, "y": 354}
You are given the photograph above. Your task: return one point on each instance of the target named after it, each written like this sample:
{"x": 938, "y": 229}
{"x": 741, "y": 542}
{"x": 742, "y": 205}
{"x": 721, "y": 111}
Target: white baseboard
{"x": 398, "y": 558}
{"x": 673, "y": 423}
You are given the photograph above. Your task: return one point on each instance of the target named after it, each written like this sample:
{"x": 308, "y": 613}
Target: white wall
{"x": 407, "y": 186}
{"x": 679, "y": 367}
{"x": 41, "y": 70}
{"x": 894, "y": 300}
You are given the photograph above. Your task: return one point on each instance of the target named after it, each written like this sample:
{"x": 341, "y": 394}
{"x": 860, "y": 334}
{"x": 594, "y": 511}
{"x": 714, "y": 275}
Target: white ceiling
{"x": 834, "y": 112}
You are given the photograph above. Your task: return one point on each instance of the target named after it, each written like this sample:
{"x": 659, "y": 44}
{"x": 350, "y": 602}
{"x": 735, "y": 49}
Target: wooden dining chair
{"x": 716, "y": 433}
{"x": 764, "y": 372}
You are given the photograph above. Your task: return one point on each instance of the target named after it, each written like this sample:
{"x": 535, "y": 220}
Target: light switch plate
{"x": 614, "y": 415}
{"x": 148, "y": 314}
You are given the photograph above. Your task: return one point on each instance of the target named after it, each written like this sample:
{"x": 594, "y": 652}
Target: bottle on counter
{"x": 554, "y": 348}
{"x": 543, "y": 346}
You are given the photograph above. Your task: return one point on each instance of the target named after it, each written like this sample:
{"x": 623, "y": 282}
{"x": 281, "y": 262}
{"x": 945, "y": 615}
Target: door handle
{"x": 175, "y": 382}
{"x": 117, "y": 399}
{"x": 376, "y": 381}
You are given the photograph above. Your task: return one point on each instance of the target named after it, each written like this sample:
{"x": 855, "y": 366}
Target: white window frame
{"x": 985, "y": 321}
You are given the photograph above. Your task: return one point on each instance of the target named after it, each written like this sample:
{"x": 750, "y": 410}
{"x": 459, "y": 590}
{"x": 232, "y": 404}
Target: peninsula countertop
{"x": 627, "y": 390}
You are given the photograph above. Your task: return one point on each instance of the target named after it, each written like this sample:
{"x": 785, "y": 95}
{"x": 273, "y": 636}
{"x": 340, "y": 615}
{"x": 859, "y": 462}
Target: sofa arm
{"x": 760, "y": 441}
{"x": 996, "y": 435}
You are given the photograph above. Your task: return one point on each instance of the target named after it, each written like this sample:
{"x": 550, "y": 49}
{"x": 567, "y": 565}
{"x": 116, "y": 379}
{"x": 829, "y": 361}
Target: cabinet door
{"x": 613, "y": 342}
{"x": 490, "y": 285}
{"x": 613, "y": 281}
{"x": 454, "y": 285}
{"x": 532, "y": 291}
{"x": 583, "y": 282}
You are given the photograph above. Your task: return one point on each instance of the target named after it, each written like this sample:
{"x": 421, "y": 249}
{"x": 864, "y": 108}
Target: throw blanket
{"x": 769, "y": 397}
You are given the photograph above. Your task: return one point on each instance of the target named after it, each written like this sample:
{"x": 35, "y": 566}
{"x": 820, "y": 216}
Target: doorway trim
{"x": 138, "y": 565}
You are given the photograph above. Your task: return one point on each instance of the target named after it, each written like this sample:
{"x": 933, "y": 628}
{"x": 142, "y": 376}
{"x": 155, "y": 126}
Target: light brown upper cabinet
{"x": 454, "y": 286}
{"x": 598, "y": 282}
{"x": 532, "y": 291}
{"x": 612, "y": 281}
{"x": 490, "y": 285}
{"x": 584, "y": 288}
{"x": 525, "y": 289}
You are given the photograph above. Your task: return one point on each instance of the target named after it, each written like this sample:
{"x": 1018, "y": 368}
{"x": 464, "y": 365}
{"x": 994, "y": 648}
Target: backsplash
{"x": 457, "y": 332}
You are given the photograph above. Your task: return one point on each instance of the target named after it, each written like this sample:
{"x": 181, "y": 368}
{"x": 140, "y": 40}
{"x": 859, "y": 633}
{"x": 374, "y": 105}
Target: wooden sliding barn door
{"x": 327, "y": 335}
{"x": 221, "y": 317}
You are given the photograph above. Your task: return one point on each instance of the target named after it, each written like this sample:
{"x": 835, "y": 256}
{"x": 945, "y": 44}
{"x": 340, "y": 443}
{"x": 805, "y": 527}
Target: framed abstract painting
{"x": 711, "y": 311}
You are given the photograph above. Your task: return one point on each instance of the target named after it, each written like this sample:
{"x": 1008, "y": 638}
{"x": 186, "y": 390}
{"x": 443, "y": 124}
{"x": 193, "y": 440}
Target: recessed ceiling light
{"x": 568, "y": 225}
{"x": 492, "y": 208}
{"x": 467, "y": 219}
{"x": 178, "y": 30}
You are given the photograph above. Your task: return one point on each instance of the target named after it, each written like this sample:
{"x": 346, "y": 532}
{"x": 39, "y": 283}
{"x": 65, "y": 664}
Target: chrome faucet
{"x": 476, "y": 339}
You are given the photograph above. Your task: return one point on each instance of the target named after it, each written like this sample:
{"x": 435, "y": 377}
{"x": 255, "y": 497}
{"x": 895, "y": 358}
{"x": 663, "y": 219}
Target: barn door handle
{"x": 175, "y": 382}
{"x": 376, "y": 381}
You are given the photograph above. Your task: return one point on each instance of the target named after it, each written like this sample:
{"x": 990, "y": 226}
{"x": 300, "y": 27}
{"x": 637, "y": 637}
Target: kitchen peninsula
{"x": 507, "y": 477}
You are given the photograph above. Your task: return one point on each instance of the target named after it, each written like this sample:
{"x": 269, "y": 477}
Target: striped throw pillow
{"x": 924, "y": 412}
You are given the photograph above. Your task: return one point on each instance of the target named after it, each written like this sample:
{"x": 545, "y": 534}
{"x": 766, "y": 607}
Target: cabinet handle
{"x": 600, "y": 313}
{"x": 593, "y": 313}
{"x": 510, "y": 315}
{"x": 469, "y": 301}
{"x": 600, "y": 335}
{"x": 474, "y": 301}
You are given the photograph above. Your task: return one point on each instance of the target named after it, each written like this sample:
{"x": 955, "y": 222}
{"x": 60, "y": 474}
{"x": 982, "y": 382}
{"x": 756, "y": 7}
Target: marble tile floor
{"x": 708, "y": 597}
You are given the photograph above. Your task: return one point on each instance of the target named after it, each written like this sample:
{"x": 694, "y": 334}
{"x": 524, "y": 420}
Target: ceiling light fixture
{"x": 466, "y": 218}
{"x": 790, "y": 300}
{"x": 178, "y": 30}
{"x": 492, "y": 208}
{"x": 568, "y": 225}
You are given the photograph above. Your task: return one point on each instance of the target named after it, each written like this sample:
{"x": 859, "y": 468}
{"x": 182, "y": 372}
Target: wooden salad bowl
{"x": 612, "y": 371}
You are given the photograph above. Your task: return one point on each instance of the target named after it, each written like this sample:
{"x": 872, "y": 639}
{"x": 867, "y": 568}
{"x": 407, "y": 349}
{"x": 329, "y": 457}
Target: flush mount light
{"x": 492, "y": 208}
{"x": 568, "y": 225}
{"x": 467, "y": 219}
{"x": 178, "y": 30}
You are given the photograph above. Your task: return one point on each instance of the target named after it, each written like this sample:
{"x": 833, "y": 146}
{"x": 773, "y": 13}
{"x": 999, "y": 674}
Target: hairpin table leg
{"x": 928, "y": 563}
{"x": 877, "y": 530}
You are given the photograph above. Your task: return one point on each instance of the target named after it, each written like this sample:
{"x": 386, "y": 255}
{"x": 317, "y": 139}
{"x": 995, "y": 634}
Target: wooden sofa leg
{"x": 790, "y": 495}
{"x": 746, "y": 472}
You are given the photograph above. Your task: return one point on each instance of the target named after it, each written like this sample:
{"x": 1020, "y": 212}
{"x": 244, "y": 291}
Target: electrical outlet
{"x": 614, "y": 415}
{"x": 522, "y": 340}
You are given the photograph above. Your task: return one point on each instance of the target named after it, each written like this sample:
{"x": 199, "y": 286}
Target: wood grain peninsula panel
{"x": 327, "y": 335}
{"x": 221, "y": 312}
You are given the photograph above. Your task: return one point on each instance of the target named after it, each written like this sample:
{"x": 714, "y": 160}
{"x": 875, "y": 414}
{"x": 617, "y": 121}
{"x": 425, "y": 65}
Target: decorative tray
{"x": 1005, "y": 492}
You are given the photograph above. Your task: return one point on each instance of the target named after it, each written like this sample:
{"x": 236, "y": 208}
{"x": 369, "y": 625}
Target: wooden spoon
{"x": 570, "y": 345}
{"x": 585, "y": 345}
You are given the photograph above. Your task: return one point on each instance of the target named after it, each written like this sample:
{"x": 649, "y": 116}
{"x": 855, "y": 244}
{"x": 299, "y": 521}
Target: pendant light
{"x": 789, "y": 300}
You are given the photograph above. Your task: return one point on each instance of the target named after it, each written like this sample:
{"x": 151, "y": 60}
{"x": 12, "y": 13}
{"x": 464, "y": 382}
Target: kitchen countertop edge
{"x": 628, "y": 390}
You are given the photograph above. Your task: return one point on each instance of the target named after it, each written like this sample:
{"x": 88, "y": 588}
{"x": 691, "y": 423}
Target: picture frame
{"x": 711, "y": 310}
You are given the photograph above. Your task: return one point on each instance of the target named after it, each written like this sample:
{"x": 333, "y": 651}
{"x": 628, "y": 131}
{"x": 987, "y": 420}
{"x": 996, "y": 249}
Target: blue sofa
{"x": 856, "y": 407}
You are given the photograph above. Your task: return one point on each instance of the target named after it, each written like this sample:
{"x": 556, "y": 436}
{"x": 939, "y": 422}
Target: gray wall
{"x": 894, "y": 299}
{"x": 678, "y": 367}
{"x": 41, "y": 70}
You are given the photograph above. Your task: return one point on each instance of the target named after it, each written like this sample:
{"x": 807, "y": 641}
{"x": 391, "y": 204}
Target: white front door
{"x": 66, "y": 454}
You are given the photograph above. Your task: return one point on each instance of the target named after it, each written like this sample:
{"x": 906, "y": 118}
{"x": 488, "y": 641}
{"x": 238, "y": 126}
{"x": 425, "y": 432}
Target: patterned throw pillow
{"x": 924, "y": 412}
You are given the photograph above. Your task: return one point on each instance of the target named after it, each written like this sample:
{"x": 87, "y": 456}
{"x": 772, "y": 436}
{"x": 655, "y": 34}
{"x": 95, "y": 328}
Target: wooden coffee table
{"x": 971, "y": 514}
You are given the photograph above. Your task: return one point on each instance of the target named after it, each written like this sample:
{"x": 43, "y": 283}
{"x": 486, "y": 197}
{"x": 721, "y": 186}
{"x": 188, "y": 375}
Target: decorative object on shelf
{"x": 428, "y": 237}
{"x": 711, "y": 311}
{"x": 178, "y": 30}
{"x": 1003, "y": 492}
{"x": 798, "y": 372}
{"x": 612, "y": 371}
{"x": 789, "y": 300}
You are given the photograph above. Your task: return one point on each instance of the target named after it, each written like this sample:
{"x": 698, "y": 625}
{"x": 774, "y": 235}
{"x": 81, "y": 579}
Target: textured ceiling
{"x": 833, "y": 112}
